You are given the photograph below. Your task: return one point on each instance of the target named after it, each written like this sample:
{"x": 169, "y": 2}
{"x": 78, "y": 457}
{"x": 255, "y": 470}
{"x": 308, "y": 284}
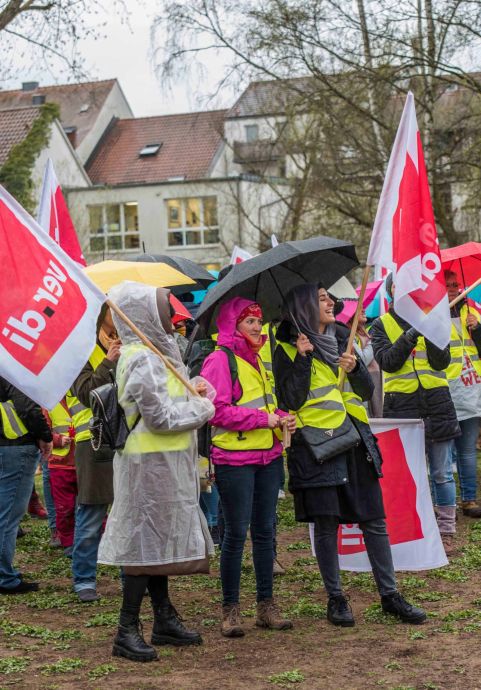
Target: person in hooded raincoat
{"x": 156, "y": 527}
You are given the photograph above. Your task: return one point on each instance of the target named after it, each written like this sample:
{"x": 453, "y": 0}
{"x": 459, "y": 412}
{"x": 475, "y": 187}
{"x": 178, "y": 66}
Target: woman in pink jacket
{"x": 247, "y": 455}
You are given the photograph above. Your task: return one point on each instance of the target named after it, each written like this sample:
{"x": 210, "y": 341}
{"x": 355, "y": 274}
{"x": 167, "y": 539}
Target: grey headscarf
{"x": 302, "y": 303}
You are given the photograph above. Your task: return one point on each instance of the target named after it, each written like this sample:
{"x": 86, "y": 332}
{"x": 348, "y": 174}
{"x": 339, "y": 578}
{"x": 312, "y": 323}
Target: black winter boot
{"x": 129, "y": 641}
{"x": 169, "y": 629}
{"x": 339, "y": 612}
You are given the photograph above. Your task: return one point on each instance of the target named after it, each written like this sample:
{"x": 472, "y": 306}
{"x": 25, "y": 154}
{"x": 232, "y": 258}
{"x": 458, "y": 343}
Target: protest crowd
{"x": 181, "y": 440}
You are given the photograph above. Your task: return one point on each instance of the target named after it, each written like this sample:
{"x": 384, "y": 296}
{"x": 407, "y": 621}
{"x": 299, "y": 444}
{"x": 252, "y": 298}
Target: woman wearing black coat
{"x": 344, "y": 488}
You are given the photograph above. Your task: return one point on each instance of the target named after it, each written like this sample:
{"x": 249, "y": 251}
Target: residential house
{"x": 160, "y": 185}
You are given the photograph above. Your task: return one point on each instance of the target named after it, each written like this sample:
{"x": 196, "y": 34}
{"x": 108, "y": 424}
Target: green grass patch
{"x": 14, "y": 664}
{"x": 375, "y": 614}
{"x": 299, "y": 546}
{"x": 101, "y": 671}
{"x": 37, "y": 631}
{"x": 286, "y": 678}
{"x": 306, "y": 608}
{"x": 66, "y": 665}
{"x": 105, "y": 618}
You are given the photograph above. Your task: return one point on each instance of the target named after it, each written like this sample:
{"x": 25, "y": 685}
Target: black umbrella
{"x": 189, "y": 268}
{"x": 268, "y": 277}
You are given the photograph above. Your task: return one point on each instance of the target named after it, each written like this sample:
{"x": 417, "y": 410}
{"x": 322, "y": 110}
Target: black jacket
{"x": 433, "y": 405}
{"x": 293, "y": 379}
{"x": 29, "y": 412}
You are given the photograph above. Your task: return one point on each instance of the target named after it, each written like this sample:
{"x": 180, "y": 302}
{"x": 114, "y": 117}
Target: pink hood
{"x": 229, "y": 336}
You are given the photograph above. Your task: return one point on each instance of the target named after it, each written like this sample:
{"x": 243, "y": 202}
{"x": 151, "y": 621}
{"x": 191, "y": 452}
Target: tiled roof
{"x": 72, "y": 99}
{"x": 188, "y": 145}
{"x": 271, "y": 97}
{"x": 15, "y": 124}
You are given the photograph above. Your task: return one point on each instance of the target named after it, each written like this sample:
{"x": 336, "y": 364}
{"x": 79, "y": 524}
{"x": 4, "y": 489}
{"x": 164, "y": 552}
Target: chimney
{"x": 29, "y": 85}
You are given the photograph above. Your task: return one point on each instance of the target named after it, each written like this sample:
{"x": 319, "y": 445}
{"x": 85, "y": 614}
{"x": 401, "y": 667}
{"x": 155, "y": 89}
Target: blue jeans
{"x": 441, "y": 472}
{"x": 88, "y": 531}
{"x": 209, "y": 502}
{"x": 466, "y": 457}
{"x": 17, "y": 470}
{"x": 47, "y": 496}
{"x": 249, "y": 496}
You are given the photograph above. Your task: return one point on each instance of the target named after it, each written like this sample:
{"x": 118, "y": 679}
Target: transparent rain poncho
{"x": 155, "y": 518}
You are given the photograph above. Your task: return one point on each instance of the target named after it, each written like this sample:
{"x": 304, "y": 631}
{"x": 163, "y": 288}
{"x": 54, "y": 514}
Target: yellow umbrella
{"x": 106, "y": 274}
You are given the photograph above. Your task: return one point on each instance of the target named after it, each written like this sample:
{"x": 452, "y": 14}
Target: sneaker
{"x": 396, "y": 605}
{"x": 339, "y": 611}
{"x": 87, "y": 595}
{"x": 35, "y": 508}
{"x": 55, "y": 542}
{"x": 23, "y": 587}
{"x": 277, "y": 568}
{"x": 21, "y": 532}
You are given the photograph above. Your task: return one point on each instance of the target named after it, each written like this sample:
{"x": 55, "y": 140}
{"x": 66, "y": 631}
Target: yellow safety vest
{"x": 461, "y": 344}
{"x": 266, "y": 352}
{"x": 141, "y": 440}
{"x": 13, "y": 427}
{"x": 416, "y": 370}
{"x": 325, "y": 406}
{"x": 257, "y": 394}
{"x": 61, "y": 423}
{"x": 82, "y": 415}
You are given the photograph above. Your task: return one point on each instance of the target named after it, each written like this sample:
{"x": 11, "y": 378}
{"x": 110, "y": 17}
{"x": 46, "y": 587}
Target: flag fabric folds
{"x": 404, "y": 237}
{"x": 54, "y": 217}
{"x": 48, "y": 309}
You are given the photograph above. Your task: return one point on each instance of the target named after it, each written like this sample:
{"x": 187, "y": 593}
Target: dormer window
{"x": 150, "y": 150}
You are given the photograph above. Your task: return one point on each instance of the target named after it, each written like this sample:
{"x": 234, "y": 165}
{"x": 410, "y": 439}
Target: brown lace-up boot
{"x": 269, "y": 616}
{"x": 231, "y": 621}
{"x": 471, "y": 509}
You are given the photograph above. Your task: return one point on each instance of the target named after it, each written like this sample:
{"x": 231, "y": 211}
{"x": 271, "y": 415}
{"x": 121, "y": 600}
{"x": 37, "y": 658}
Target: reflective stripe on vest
{"x": 61, "y": 424}
{"x": 257, "y": 394}
{"x": 461, "y": 344}
{"x": 324, "y": 407}
{"x": 354, "y": 406}
{"x": 13, "y": 427}
{"x": 415, "y": 370}
{"x": 82, "y": 415}
{"x": 141, "y": 440}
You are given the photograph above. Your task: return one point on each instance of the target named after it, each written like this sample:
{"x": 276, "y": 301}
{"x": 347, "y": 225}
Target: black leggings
{"x": 134, "y": 590}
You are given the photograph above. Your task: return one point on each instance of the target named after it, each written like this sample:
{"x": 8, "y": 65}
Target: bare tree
{"x": 344, "y": 68}
{"x": 47, "y": 32}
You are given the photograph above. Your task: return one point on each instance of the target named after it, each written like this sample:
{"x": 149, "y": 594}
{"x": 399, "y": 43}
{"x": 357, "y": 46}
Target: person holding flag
{"x": 464, "y": 377}
{"x": 416, "y": 386}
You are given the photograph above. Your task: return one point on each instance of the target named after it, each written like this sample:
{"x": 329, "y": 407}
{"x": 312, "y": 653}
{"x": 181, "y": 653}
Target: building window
{"x": 192, "y": 221}
{"x": 114, "y": 227}
{"x": 252, "y": 133}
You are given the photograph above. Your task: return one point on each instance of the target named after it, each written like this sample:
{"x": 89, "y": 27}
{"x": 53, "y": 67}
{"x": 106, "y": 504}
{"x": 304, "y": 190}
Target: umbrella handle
{"x": 151, "y": 346}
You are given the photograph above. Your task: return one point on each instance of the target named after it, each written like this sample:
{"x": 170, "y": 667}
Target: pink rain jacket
{"x": 216, "y": 370}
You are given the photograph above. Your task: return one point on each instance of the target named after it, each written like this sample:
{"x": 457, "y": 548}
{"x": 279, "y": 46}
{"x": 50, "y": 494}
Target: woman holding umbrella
{"x": 247, "y": 455}
{"x": 334, "y": 464}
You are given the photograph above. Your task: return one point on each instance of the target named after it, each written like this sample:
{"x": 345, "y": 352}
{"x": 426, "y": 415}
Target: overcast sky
{"x": 124, "y": 53}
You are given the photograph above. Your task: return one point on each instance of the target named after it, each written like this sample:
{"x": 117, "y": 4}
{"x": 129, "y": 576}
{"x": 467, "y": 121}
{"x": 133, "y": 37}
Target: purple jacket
{"x": 216, "y": 370}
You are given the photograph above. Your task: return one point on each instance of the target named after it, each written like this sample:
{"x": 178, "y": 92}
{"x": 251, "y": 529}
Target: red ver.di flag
{"x": 413, "y": 532}
{"x": 404, "y": 237}
{"x": 54, "y": 216}
{"x": 48, "y": 309}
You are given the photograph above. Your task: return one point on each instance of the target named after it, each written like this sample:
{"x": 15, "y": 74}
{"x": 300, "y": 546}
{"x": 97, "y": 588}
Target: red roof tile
{"x": 71, "y": 98}
{"x": 15, "y": 124}
{"x": 188, "y": 145}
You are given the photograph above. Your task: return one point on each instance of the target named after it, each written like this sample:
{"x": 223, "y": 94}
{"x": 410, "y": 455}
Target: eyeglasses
{"x": 452, "y": 285}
